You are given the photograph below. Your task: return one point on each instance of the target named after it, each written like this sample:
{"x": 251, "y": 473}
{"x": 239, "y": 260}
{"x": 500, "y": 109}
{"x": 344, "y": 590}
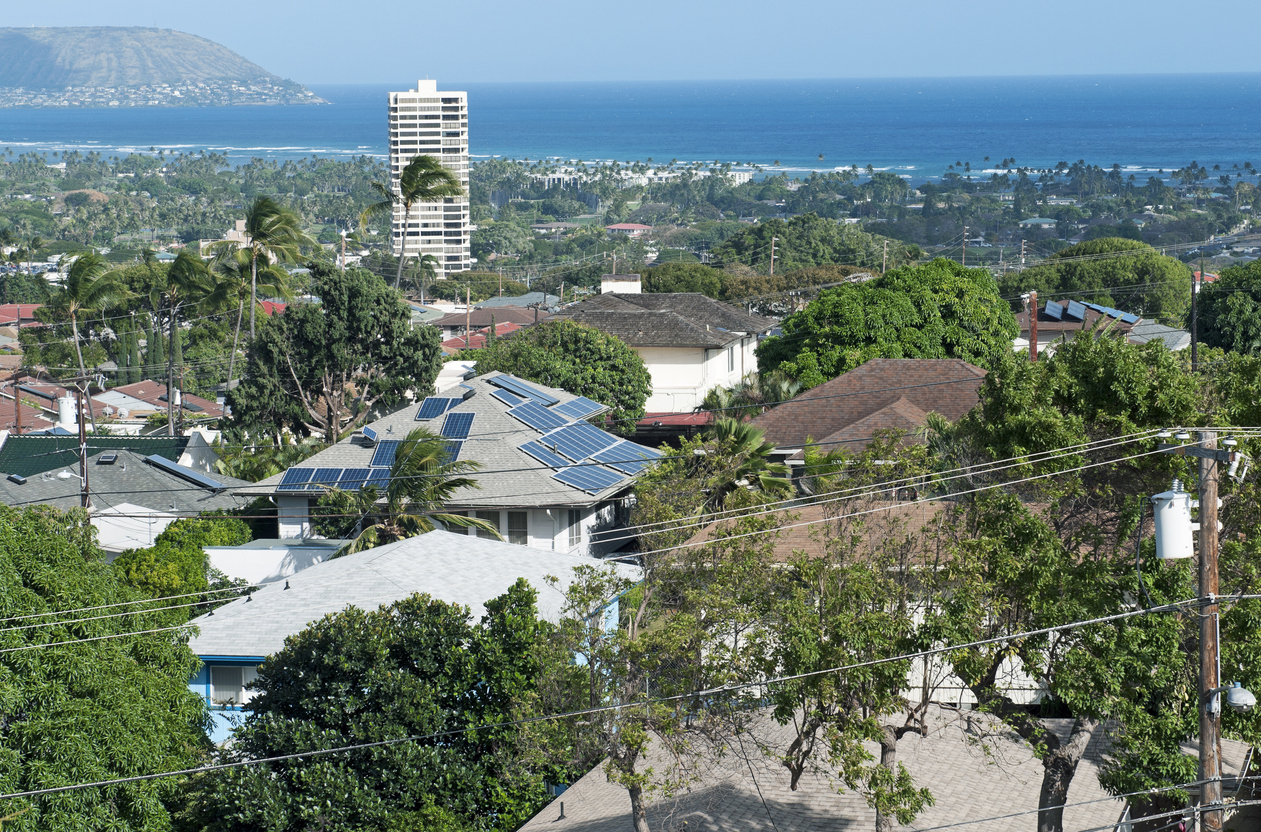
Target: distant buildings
{"x": 425, "y": 121}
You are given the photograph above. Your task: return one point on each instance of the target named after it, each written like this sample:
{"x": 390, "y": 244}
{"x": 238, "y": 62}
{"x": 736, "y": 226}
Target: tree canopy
{"x": 1230, "y": 310}
{"x": 1126, "y": 274}
{"x": 937, "y": 310}
{"x": 92, "y": 710}
{"x": 578, "y": 359}
{"x": 321, "y": 368}
{"x": 809, "y": 240}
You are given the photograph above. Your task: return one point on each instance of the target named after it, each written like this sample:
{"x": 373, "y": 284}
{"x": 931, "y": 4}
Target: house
{"x": 264, "y": 560}
{"x": 690, "y": 343}
{"x": 1037, "y": 222}
{"x": 477, "y": 339}
{"x": 235, "y": 638}
{"x": 133, "y": 497}
{"x": 18, "y": 314}
{"x": 148, "y": 396}
{"x": 882, "y": 394}
{"x": 630, "y": 229}
{"x": 976, "y": 769}
{"x": 1060, "y": 321}
{"x": 457, "y": 323}
{"x": 547, "y": 478}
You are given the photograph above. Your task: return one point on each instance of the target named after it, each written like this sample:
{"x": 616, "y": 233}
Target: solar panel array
{"x": 383, "y": 456}
{"x": 534, "y": 415}
{"x": 435, "y": 406}
{"x": 1076, "y": 310}
{"x": 457, "y": 425}
{"x": 184, "y": 473}
{"x": 370, "y": 435}
{"x": 451, "y": 449}
{"x": 519, "y": 387}
{"x": 578, "y": 442}
{"x": 1054, "y": 310}
{"x": 588, "y": 478}
{"x": 508, "y": 397}
{"x": 627, "y": 457}
{"x": 544, "y": 455}
{"x": 579, "y": 408}
{"x": 347, "y": 479}
{"x": 1124, "y": 317}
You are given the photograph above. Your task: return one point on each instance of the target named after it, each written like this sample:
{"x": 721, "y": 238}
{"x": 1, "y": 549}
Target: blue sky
{"x": 379, "y": 41}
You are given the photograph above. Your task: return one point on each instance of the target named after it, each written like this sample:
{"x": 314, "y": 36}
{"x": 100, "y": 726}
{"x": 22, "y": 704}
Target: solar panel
{"x": 579, "y": 441}
{"x": 627, "y": 457}
{"x": 435, "y": 406}
{"x": 457, "y": 425}
{"x": 383, "y": 456}
{"x": 519, "y": 387}
{"x": 295, "y": 479}
{"x": 370, "y": 435}
{"x": 508, "y": 397}
{"x": 579, "y": 408}
{"x": 352, "y": 479}
{"x": 537, "y": 417}
{"x": 184, "y": 473}
{"x": 451, "y": 449}
{"x": 1130, "y": 319}
{"x": 1076, "y": 310}
{"x": 1054, "y": 310}
{"x": 327, "y": 477}
{"x": 588, "y": 478}
{"x": 378, "y": 478}
{"x": 544, "y": 455}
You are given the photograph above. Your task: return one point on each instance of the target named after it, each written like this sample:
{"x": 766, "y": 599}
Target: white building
{"x": 425, "y": 121}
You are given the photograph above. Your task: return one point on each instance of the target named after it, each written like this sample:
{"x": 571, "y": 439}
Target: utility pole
{"x": 343, "y": 252}
{"x": 884, "y": 262}
{"x": 1022, "y": 254}
{"x": 85, "y": 500}
{"x": 965, "y": 247}
{"x": 1210, "y": 659}
{"x": 468, "y": 313}
{"x": 1196, "y": 280}
{"x": 772, "y": 256}
{"x": 1033, "y": 326}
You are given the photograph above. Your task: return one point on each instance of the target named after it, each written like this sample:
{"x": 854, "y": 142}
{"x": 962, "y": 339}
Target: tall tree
{"x": 185, "y": 283}
{"x": 323, "y": 368}
{"x": 237, "y": 275}
{"x": 273, "y": 235}
{"x": 88, "y": 287}
{"x": 423, "y": 179}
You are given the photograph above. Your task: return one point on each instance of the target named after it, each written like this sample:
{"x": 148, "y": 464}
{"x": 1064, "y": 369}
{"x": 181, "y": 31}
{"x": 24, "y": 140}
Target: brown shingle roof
{"x": 884, "y": 393}
{"x": 673, "y": 319}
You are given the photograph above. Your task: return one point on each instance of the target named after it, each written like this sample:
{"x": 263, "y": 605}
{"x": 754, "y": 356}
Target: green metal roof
{"x": 29, "y": 455}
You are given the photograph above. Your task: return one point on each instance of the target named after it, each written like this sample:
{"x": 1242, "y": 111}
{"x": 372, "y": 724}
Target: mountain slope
{"x": 99, "y": 56}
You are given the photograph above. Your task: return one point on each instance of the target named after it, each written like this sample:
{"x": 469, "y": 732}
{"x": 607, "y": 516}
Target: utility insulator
{"x": 1174, "y": 529}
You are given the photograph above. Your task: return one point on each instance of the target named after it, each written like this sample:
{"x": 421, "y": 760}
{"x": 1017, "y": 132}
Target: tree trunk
{"x": 639, "y": 809}
{"x": 1058, "y": 768}
{"x": 889, "y": 760}
{"x": 236, "y": 337}
{"x": 253, "y": 291}
{"x": 83, "y": 373}
{"x": 402, "y": 247}
{"x": 170, "y": 377}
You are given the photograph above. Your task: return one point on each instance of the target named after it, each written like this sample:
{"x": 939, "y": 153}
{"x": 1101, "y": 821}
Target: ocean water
{"x": 912, "y": 126}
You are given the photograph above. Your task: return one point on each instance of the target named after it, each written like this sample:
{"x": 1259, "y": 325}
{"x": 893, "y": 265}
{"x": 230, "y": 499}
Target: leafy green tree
{"x": 423, "y": 179}
{"x": 809, "y": 240}
{"x": 414, "y": 668}
{"x": 322, "y": 368}
{"x": 578, "y": 359}
{"x": 503, "y": 239}
{"x": 1113, "y": 271}
{"x": 176, "y": 563}
{"x": 1230, "y": 310}
{"x": 107, "y": 709}
{"x": 938, "y": 310}
{"x": 684, "y": 277}
{"x": 423, "y": 480}
{"x": 237, "y": 276}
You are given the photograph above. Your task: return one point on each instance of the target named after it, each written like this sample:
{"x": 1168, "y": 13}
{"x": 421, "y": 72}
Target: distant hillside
{"x": 100, "y": 57}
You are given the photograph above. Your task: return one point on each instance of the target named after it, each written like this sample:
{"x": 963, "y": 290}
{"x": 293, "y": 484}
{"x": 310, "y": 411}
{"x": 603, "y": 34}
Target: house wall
{"x": 223, "y": 718}
{"x": 681, "y": 376}
{"x": 293, "y": 516}
{"x": 595, "y": 532}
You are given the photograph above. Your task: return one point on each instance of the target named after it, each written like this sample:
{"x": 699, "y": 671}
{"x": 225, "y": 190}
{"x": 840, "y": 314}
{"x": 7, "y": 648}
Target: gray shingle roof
{"x": 508, "y": 477}
{"x": 129, "y": 480}
{"x": 1175, "y": 339}
{"x": 745, "y": 789}
{"x": 520, "y": 300}
{"x": 677, "y": 319}
{"x": 451, "y": 567}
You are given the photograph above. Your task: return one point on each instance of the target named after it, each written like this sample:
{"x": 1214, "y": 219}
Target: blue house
{"x": 457, "y": 568}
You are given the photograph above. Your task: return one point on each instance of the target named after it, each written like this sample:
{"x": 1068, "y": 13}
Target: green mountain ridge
{"x": 54, "y": 58}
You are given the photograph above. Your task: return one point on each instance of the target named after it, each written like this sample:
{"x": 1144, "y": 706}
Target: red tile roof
{"x": 271, "y": 307}
{"x": 477, "y": 340}
{"x": 12, "y": 313}
{"x": 884, "y": 393}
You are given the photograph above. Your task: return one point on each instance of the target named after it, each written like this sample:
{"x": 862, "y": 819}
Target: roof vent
{"x": 17, "y": 479}
{"x": 107, "y": 459}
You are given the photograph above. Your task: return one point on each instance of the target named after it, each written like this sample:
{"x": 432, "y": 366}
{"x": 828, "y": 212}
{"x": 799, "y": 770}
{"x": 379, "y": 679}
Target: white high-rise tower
{"x": 426, "y": 121}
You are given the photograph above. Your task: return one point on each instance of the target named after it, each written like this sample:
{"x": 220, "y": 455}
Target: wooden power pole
{"x": 1210, "y": 659}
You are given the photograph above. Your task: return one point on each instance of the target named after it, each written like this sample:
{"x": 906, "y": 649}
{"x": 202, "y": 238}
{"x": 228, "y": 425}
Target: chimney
{"x": 621, "y": 284}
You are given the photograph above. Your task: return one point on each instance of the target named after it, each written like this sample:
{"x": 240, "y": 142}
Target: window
{"x": 731, "y": 359}
{"x": 227, "y": 684}
{"x": 491, "y": 517}
{"x": 575, "y": 528}
{"x": 519, "y": 527}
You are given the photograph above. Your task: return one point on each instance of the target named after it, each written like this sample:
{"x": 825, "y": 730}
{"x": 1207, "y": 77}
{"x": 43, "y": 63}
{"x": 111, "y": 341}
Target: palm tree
{"x": 749, "y": 465}
{"x": 187, "y": 281}
{"x": 273, "y": 235}
{"x": 422, "y": 481}
{"x": 235, "y": 275}
{"x": 423, "y": 180}
{"x": 88, "y": 287}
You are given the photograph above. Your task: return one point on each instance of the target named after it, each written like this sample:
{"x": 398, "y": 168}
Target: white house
{"x": 236, "y": 638}
{"x": 690, "y": 343}
{"x": 547, "y": 478}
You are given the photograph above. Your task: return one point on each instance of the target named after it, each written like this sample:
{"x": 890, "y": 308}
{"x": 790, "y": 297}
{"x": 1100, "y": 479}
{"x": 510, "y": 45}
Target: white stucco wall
{"x": 681, "y": 376}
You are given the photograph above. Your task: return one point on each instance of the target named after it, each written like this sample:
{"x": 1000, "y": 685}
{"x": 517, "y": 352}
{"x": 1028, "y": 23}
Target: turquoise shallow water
{"x": 914, "y": 126}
